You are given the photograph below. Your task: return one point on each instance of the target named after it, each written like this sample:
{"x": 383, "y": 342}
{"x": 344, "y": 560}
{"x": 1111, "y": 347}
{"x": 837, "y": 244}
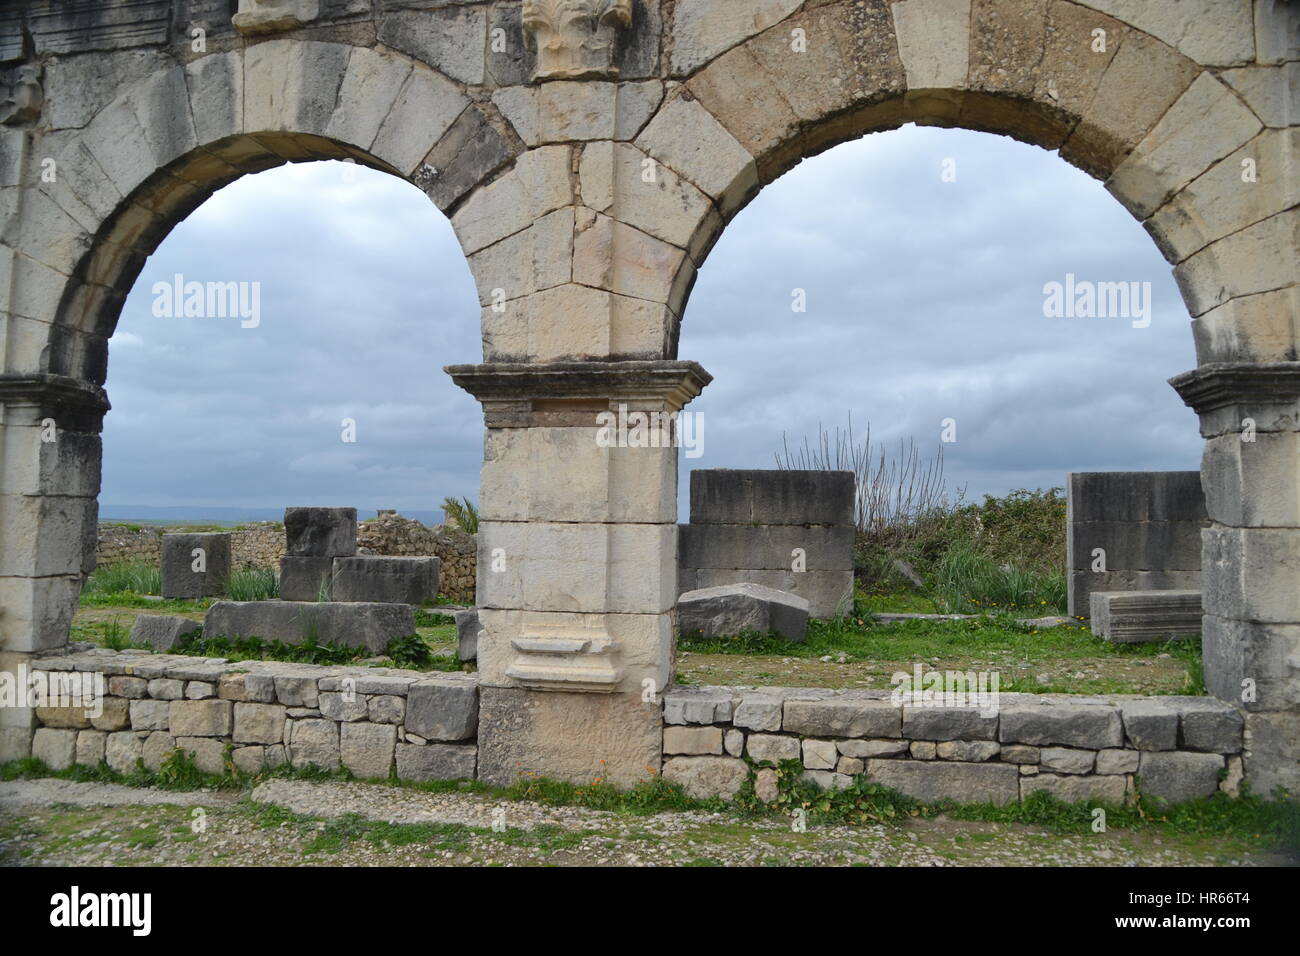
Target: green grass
{"x": 254, "y": 584}
{"x": 967, "y": 581}
{"x": 985, "y": 637}
{"x": 411, "y": 651}
{"x": 129, "y": 577}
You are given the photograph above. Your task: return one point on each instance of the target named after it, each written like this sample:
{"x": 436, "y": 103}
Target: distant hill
{"x": 191, "y": 514}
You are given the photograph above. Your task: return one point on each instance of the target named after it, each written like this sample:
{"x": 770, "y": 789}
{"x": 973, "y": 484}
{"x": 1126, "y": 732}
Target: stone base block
{"x": 305, "y": 579}
{"x": 372, "y": 626}
{"x": 320, "y": 532}
{"x": 182, "y": 553}
{"x": 467, "y": 628}
{"x": 828, "y": 593}
{"x": 162, "y": 632}
{"x": 386, "y": 580}
{"x": 1082, "y": 583}
{"x": 580, "y": 738}
{"x": 1136, "y": 617}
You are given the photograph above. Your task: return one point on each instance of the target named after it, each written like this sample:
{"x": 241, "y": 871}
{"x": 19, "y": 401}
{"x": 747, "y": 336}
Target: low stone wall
{"x": 262, "y": 545}
{"x": 1147, "y": 523}
{"x": 266, "y": 713}
{"x": 1075, "y": 748}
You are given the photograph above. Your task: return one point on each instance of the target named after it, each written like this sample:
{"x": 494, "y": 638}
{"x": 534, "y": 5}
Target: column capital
{"x": 75, "y": 404}
{"x": 1224, "y": 394}
{"x": 522, "y": 395}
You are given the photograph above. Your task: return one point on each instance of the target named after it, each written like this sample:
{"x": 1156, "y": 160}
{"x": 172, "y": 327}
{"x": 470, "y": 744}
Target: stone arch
{"x": 165, "y": 144}
{"x": 1165, "y": 134}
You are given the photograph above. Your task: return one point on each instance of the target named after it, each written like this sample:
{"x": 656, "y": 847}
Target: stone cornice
{"x": 52, "y": 391}
{"x": 1222, "y": 385}
{"x": 675, "y": 383}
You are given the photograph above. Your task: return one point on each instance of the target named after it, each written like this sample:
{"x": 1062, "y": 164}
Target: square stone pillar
{"x": 1250, "y": 555}
{"x": 49, "y": 479}
{"x": 577, "y": 564}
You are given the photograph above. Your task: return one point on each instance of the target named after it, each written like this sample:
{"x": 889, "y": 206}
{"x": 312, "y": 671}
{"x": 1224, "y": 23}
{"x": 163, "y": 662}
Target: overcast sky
{"x": 924, "y": 301}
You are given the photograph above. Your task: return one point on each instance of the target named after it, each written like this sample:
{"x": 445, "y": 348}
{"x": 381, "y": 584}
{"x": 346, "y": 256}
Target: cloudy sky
{"x": 924, "y": 302}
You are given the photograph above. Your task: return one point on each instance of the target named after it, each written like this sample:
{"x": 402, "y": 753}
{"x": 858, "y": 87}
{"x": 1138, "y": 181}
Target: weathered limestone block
{"x": 1150, "y": 724}
{"x": 296, "y": 691}
{"x": 1067, "y": 760}
{"x": 369, "y": 625}
{"x": 828, "y": 593}
{"x": 524, "y": 731}
{"x": 467, "y": 630}
{"x": 995, "y": 783}
{"x": 934, "y": 42}
{"x": 735, "y": 609}
{"x": 1135, "y": 617}
{"x": 1142, "y": 80}
{"x": 121, "y": 751}
{"x": 1272, "y": 757}
{"x": 162, "y": 632}
{"x": 948, "y": 723}
{"x": 259, "y": 723}
{"x": 200, "y": 718}
{"x": 1176, "y": 151}
{"x": 343, "y": 707}
{"x": 321, "y": 532}
{"x": 156, "y": 748}
{"x": 1211, "y": 32}
{"x": 703, "y": 29}
{"x": 575, "y": 112}
{"x": 452, "y": 40}
{"x": 1267, "y": 654}
{"x": 843, "y": 716}
{"x": 758, "y": 712}
{"x": 1075, "y": 788}
{"x": 1209, "y": 725}
{"x": 690, "y": 141}
{"x": 195, "y": 565}
{"x": 860, "y": 749}
{"x": 820, "y": 754}
{"x": 693, "y": 740}
{"x": 1254, "y": 260}
{"x": 150, "y": 714}
{"x": 367, "y": 749}
{"x": 969, "y": 751}
{"x": 133, "y": 688}
{"x": 436, "y": 762}
{"x": 699, "y": 705}
{"x": 773, "y": 747}
{"x": 1117, "y": 761}
{"x": 90, "y": 747}
{"x": 386, "y": 709}
{"x": 1176, "y": 776}
{"x": 305, "y": 578}
{"x": 1051, "y": 720}
{"x": 209, "y": 755}
{"x": 443, "y": 709}
{"x": 386, "y": 580}
{"x": 314, "y": 743}
{"x": 1251, "y": 572}
{"x": 539, "y": 183}
{"x": 705, "y": 777}
{"x": 114, "y": 715}
{"x": 249, "y": 759}
{"x": 270, "y": 16}
{"x": 57, "y": 749}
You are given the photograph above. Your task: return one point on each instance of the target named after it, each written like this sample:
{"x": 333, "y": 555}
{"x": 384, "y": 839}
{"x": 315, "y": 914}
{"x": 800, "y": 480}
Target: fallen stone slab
{"x": 162, "y": 632}
{"x": 1136, "y": 617}
{"x": 195, "y": 565}
{"x": 368, "y": 625}
{"x": 385, "y": 580}
{"x": 733, "y": 609}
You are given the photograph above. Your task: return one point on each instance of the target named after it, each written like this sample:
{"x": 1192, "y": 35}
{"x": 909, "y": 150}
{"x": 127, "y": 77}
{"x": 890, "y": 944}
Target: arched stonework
{"x": 586, "y": 187}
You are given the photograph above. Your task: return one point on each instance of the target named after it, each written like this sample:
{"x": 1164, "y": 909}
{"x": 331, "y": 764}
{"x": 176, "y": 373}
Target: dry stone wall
{"x": 262, "y": 545}
{"x": 1074, "y": 748}
{"x": 266, "y": 713}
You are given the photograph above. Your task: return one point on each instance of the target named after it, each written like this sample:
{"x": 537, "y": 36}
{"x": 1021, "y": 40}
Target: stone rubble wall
{"x": 262, "y": 545}
{"x": 267, "y": 713}
{"x": 1074, "y": 748}
{"x": 1147, "y": 522}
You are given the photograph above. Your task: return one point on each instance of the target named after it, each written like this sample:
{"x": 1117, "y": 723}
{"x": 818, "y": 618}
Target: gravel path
{"x": 294, "y": 823}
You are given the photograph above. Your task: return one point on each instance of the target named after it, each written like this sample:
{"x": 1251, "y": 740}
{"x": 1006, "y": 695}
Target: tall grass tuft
{"x": 254, "y": 584}
{"x": 969, "y": 581}
{"x": 135, "y": 576}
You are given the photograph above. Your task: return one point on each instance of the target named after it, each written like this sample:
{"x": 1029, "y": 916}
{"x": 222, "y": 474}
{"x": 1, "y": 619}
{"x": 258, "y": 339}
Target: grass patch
{"x": 254, "y": 584}
{"x": 132, "y": 577}
{"x": 410, "y": 652}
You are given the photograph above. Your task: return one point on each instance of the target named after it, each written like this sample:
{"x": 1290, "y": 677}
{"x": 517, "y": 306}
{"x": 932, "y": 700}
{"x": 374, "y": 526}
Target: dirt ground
{"x": 282, "y": 822}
